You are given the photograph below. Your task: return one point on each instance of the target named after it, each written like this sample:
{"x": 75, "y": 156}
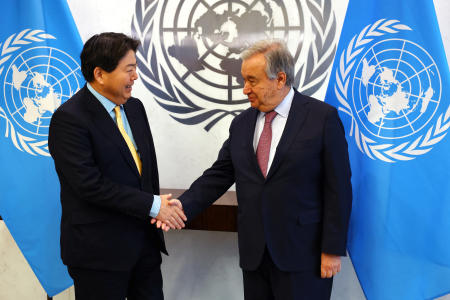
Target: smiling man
{"x": 104, "y": 155}
{"x": 288, "y": 156}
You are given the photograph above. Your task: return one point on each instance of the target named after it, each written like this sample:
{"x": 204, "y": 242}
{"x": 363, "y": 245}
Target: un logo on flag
{"x": 396, "y": 89}
{"x": 35, "y": 83}
{"x": 392, "y": 89}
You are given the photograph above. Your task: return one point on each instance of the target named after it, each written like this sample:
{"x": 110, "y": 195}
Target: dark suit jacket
{"x": 105, "y": 203}
{"x": 303, "y": 207}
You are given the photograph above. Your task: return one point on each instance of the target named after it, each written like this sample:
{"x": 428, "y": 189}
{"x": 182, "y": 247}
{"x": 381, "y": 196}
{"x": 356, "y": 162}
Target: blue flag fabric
{"x": 390, "y": 82}
{"x": 39, "y": 70}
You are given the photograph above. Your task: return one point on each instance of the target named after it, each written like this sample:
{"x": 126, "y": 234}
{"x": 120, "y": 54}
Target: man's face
{"x": 117, "y": 85}
{"x": 261, "y": 91}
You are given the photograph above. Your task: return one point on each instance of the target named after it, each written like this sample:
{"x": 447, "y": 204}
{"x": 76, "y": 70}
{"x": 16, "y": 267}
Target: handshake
{"x": 171, "y": 214}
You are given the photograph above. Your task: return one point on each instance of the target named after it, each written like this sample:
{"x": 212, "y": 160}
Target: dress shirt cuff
{"x": 156, "y": 206}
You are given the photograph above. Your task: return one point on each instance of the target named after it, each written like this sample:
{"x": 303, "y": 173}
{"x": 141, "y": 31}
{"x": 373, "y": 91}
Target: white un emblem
{"x": 396, "y": 89}
{"x": 35, "y": 83}
{"x": 391, "y": 88}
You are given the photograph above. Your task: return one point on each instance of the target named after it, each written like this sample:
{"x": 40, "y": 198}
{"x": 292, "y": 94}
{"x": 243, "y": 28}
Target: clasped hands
{"x": 171, "y": 214}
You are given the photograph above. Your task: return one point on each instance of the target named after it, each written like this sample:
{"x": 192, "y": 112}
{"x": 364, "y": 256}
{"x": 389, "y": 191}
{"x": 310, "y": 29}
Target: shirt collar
{"x": 107, "y": 104}
{"x": 283, "y": 108}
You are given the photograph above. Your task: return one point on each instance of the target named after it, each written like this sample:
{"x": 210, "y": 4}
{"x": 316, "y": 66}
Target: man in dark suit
{"x": 288, "y": 156}
{"x": 104, "y": 155}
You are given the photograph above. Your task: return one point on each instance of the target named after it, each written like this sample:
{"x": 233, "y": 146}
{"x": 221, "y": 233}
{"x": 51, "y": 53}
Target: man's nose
{"x": 246, "y": 90}
{"x": 134, "y": 76}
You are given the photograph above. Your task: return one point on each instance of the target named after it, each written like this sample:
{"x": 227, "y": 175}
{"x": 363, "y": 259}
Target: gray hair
{"x": 278, "y": 58}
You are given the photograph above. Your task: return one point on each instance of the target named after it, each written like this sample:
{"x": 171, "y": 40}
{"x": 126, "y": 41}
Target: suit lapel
{"x": 296, "y": 118}
{"x": 103, "y": 121}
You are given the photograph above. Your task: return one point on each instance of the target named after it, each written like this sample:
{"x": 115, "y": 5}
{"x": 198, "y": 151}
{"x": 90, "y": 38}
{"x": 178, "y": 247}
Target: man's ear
{"x": 281, "y": 80}
{"x": 99, "y": 74}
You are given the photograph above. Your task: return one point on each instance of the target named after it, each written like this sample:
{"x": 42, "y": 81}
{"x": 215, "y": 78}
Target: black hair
{"x": 105, "y": 50}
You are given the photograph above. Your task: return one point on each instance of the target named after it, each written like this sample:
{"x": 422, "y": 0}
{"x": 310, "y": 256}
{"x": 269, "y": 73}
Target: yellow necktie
{"x": 127, "y": 139}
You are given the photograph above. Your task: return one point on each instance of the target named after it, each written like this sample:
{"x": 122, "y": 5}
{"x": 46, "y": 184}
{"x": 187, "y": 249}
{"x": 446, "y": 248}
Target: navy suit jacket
{"x": 105, "y": 202}
{"x": 302, "y": 208}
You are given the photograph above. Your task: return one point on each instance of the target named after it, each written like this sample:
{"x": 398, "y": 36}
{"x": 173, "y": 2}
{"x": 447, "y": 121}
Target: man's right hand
{"x": 170, "y": 213}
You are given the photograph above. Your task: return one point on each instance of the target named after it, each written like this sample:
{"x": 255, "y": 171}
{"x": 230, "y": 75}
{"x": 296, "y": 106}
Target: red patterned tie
{"x": 263, "y": 149}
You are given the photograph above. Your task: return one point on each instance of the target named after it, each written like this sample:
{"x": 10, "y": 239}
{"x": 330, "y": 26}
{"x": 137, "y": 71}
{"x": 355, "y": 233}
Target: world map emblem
{"x": 189, "y": 57}
{"x": 391, "y": 88}
{"x": 36, "y": 79}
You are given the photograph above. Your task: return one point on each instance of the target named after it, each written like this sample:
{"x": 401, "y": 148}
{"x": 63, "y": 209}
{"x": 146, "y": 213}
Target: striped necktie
{"x": 263, "y": 149}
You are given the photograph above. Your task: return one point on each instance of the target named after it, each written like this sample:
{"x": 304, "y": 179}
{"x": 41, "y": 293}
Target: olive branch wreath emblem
{"x": 308, "y": 79}
{"x": 13, "y": 43}
{"x": 385, "y": 152}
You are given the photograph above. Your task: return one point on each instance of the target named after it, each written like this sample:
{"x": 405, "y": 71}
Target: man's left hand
{"x": 330, "y": 266}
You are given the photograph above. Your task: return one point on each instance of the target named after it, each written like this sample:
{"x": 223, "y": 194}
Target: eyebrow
{"x": 132, "y": 65}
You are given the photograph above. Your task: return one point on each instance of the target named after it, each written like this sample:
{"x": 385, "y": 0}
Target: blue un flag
{"x": 39, "y": 70}
{"x": 390, "y": 81}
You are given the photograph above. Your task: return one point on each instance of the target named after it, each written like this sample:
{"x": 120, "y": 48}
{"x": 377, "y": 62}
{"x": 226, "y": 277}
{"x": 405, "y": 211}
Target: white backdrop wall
{"x": 183, "y": 152}
{"x": 202, "y": 265}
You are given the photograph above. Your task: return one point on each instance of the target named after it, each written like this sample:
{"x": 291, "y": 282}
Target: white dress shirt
{"x": 278, "y": 124}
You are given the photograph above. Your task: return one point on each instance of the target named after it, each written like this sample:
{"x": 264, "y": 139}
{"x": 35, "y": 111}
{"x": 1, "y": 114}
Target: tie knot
{"x": 118, "y": 114}
{"x": 270, "y": 116}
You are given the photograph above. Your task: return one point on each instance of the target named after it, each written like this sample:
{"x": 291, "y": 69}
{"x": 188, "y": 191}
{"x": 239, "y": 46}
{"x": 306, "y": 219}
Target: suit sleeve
{"x": 214, "y": 182}
{"x": 70, "y": 146}
{"x": 337, "y": 190}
